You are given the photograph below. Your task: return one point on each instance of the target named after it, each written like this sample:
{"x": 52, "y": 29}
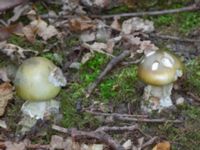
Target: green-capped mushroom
{"x": 159, "y": 69}
{"x": 36, "y": 79}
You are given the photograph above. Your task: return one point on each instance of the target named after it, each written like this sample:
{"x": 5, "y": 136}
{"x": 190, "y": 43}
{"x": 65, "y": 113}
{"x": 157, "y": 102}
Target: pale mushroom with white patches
{"x": 38, "y": 81}
{"x": 159, "y": 69}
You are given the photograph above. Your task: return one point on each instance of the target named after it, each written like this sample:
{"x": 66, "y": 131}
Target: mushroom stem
{"x": 157, "y": 97}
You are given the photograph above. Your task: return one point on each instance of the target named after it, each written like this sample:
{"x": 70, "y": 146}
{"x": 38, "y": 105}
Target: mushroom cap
{"x": 160, "y": 68}
{"x": 32, "y": 80}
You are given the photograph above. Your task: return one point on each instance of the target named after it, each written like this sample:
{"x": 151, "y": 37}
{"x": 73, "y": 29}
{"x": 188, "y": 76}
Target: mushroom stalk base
{"x": 157, "y": 98}
{"x": 40, "y": 109}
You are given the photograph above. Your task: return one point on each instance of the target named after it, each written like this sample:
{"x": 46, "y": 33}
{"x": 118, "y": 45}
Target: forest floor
{"x": 82, "y": 38}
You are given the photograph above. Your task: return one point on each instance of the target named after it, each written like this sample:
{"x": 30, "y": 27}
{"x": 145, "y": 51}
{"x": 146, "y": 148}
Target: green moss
{"x": 54, "y": 57}
{"x": 181, "y": 136}
{"x": 192, "y": 75}
{"x": 118, "y": 86}
{"x": 22, "y": 42}
{"x": 72, "y": 41}
{"x": 71, "y": 117}
{"x": 119, "y": 9}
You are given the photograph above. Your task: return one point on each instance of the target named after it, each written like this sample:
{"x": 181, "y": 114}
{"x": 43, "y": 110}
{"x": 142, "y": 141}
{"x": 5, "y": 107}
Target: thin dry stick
{"x": 153, "y": 13}
{"x": 196, "y": 98}
{"x": 168, "y": 37}
{"x": 147, "y": 120}
{"x": 61, "y": 129}
{"x": 115, "y": 128}
{"x": 115, "y": 114}
{"x": 108, "y": 68}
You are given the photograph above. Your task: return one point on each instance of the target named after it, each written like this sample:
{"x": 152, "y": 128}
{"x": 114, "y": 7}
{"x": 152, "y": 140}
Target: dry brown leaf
{"x": 6, "y": 32}
{"x": 80, "y": 24}
{"x": 30, "y": 33}
{"x": 16, "y": 146}
{"x": 40, "y": 28}
{"x": 137, "y": 24}
{"x": 3, "y": 124}
{"x": 165, "y": 145}
{"x": 115, "y": 24}
{"x": 56, "y": 142}
{"x": 18, "y": 11}
{"x": 13, "y": 51}
{"x": 6, "y": 93}
{"x": 86, "y": 57}
{"x": 4, "y": 75}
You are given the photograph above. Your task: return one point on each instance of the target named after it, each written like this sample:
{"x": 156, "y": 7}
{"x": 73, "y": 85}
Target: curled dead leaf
{"x": 13, "y": 51}
{"x": 6, "y": 93}
{"x": 41, "y": 28}
{"x": 81, "y": 23}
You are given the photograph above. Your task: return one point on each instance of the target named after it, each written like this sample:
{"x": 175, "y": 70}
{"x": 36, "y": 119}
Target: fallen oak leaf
{"x": 6, "y": 93}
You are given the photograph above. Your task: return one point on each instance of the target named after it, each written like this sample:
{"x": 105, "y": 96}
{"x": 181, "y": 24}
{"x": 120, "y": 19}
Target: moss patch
{"x": 117, "y": 87}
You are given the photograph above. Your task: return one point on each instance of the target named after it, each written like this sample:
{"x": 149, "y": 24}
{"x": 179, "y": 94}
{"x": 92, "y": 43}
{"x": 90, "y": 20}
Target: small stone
{"x": 75, "y": 65}
{"x": 180, "y": 101}
{"x": 127, "y": 145}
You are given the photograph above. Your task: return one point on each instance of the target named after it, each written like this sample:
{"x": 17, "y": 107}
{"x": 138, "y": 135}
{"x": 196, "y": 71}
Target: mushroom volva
{"x": 159, "y": 69}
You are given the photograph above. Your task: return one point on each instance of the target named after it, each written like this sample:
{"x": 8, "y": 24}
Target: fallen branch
{"x": 115, "y": 114}
{"x": 119, "y": 129}
{"x": 7, "y": 4}
{"x": 168, "y": 37}
{"x": 147, "y": 120}
{"x": 193, "y": 96}
{"x": 97, "y": 135}
{"x": 108, "y": 68}
{"x": 100, "y": 136}
{"x": 193, "y": 7}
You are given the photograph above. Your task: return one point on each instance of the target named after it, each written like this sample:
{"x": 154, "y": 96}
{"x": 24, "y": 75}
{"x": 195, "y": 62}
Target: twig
{"x": 147, "y": 120}
{"x": 196, "y": 98}
{"x": 115, "y": 128}
{"x": 168, "y": 37}
{"x": 100, "y": 136}
{"x": 61, "y": 129}
{"x": 127, "y": 63}
{"x": 108, "y": 68}
{"x": 150, "y": 142}
{"x": 38, "y": 146}
{"x": 7, "y": 4}
{"x": 153, "y": 13}
{"x": 115, "y": 114}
